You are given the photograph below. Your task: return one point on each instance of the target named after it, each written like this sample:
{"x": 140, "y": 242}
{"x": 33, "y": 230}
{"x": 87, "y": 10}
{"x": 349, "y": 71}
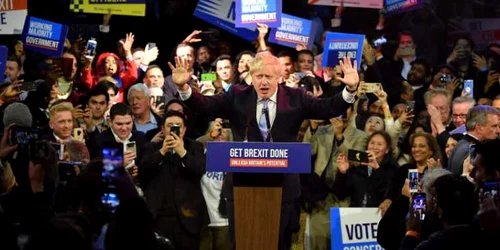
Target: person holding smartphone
{"x": 366, "y": 184}
{"x": 171, "y": 171}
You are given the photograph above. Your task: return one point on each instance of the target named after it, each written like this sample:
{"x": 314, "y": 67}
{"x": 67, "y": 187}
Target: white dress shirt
{"x": 406, "y": 68}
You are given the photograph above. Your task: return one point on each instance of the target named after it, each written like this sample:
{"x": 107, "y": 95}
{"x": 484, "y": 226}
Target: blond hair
{"x": 61, "y": 107}
{"x": 263, "y": 59}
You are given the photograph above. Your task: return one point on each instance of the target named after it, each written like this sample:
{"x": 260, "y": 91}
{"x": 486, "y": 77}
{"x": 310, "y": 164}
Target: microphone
{"x": 265, "y": 112}
{"x": 19, "y": 114}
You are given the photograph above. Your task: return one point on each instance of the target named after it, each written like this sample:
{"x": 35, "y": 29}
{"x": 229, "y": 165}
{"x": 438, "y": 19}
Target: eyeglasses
{"x": 462, "y": 116}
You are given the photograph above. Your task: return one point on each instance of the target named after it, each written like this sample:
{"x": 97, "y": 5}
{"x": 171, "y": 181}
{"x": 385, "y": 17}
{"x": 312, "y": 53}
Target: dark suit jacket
{"x": 293, "y": 106}
{"x": 155, "y": 170}
{"x": 459, "y": 154}
{"x": 95, "y": 145}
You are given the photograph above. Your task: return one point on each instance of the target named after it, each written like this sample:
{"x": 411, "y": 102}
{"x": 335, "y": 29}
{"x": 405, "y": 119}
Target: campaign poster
{"x": 222, "y": 14}
{"x": 3, "y": 61}
{"x": 394, "y": 7}
{"x": 12, "y": 16}
{"x": 293, "y": 31}
{"x": 251, "y": 12}
{"x": 114, "y": 7}
{"x": 340, "y": 45}
{"x": 354, "y": 228}
{"x": 371, "y": 4}
{"x": 44, "y": 36}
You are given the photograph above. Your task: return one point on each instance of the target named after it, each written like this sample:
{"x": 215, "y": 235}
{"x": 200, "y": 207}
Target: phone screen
{"x": 413, "y": 178}
{"x": 490, "y": 188}
{"x": 24, "y": 135}
{"x": 469, "y": 87}
{"x": 91, "y": 48}
{"x": 209, "y": 77}
{"x": 67, "y": 170}
{"x": 419, "y": 203}
{"x": 112, "y": 160}
{"x": 30, "y": 86}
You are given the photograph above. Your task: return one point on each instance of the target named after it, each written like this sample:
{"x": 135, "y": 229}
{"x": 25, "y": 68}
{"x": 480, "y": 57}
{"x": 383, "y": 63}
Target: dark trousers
{"x": 215, "y": 238}
{"x": 171, "y": 228}
{"x": 289, "y": 223}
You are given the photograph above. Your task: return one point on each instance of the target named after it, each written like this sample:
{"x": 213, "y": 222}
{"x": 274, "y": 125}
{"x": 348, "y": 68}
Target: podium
{"x": 258, "y": 171}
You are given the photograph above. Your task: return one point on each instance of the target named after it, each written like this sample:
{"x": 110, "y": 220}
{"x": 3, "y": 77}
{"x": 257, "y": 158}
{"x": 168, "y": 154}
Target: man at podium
{"x": 270, "y": 112}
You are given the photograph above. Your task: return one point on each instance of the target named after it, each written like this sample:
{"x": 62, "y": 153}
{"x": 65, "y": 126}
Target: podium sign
{"x": 259, "y": 157}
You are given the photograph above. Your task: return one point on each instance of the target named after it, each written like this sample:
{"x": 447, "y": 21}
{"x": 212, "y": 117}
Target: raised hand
{"x": 180, "y": 74}
{"x": 192, "y": 37}
{"x": 263, "y": 29}
{"x": 129, "y": 40}
{"x": 351, "y": 76}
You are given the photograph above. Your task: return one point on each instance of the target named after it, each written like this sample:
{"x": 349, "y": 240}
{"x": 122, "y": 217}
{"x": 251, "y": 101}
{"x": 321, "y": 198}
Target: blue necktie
{"x": 263, "y": 121}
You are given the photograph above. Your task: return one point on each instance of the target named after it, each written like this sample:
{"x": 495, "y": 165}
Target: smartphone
{"x": 225, "y": 124}
{"x": 419, "y": 204}
{"x": 469, "y": 87}
{"x": 491, "y": 188}
{"x": 357, "y": 156}
{"x": 300, "y": 75}
{"x": 24, "y": 135}
{"x": 157, "y": 100}
{"x": 65, "y": 64}
{"x": 91, "y": 48}
{"x": 410, "y": 105}
{"x": 206, "y": 34}
{"x": 176, "y": 129}
{"x": 413, "y": 177}
{"x": 445, "y": 78}
{"x": 150, "y": 46}
{"x": 372, "y": 87}
{"x": 112, "y": 161}
{"x": 66, "y": 169}
{"x": 472, "y": 152}
{"x": 78, "y": 134}
{"x": 130, "y": 146}
{"x": 209, "y": 77}
{"x": 407, "y": 51}
{"x": 31, "y": 86}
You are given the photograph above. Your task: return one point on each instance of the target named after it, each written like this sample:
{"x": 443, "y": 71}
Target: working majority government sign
{"x": 399, "y": 6}
{"x": 44, "y": 36}
{"x": 354, "y": 228}
{"x": 255, "y": 157}
{"x": 293, "y": 31}
{"x": 12, "y": 16}
{"x": 222, "y": 14}
{"x": 251, "y": 12}
{"x": 115, "y": 7}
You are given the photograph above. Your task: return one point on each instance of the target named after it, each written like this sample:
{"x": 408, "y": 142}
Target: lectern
{"x": 258, "y": 172}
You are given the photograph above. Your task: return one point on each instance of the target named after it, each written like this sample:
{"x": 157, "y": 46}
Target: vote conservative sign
{"x": 251, "y": 12}
{"x": 256, "y": 157}
{"x": 293, "y": 30}
{"x": 44, "y": 36}
{"x": 354, "y": 228}
{"x": 222, "y": 14}
{"x": 340, "y": 45}
{"x": 12, "y": 16}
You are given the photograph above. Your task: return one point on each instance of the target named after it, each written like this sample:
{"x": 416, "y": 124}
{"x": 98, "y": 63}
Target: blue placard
{"x": 3, "y": 61}
{"x": 340, "y": 45}
{"x": 251, "y": 12}
{"x": 222, "y": 13}
{"x": 44, "y": 36}
{"x": 399, "y": 6}
{"x": 354, "y": 228}
{"x": 293, "y": 30}
{"x": 258, "y": 157}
